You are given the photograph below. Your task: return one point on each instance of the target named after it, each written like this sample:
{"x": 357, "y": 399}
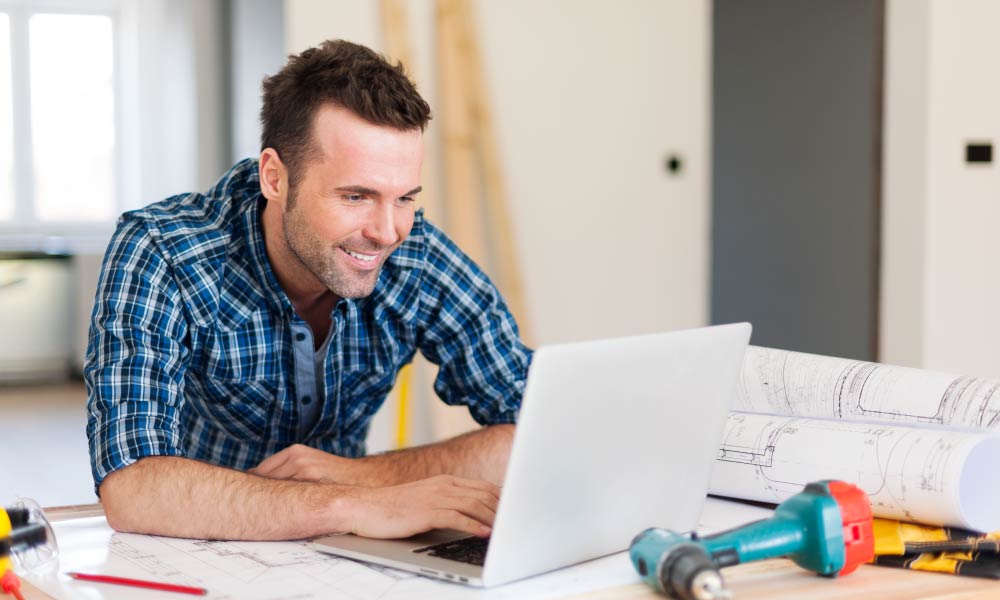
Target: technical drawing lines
{"x": 972, "y": 401}
{"x": 299, "y": 556}
{"x": 735, "y": 448}
{"x": 747, "y": 455}
{"x": 149, "y": 562}
{"x": 266, "y": 570}
{"x": 807, "y": 385}
{"x": 908, "y": 472}
{"x": 869, "y": 391}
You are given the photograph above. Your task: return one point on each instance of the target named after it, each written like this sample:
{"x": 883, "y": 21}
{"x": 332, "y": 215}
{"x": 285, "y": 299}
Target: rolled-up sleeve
{"x": 471, "y": 335}
{"x": 136, "y": 355}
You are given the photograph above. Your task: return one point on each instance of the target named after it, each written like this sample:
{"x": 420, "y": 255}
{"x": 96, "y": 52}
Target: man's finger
{"x": 484, "y": 503}
{"x": 483, "y": 495}
{"x": 478, "y": 505}
{"x": 450, "y": 519}
{"x": 273, "y": 462}
{"x": 478, "y": 484}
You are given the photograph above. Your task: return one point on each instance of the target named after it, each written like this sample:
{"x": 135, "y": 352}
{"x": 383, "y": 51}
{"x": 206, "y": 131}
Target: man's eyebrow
{"x": 358, "y": 189}
{"x": 367, "y": 191}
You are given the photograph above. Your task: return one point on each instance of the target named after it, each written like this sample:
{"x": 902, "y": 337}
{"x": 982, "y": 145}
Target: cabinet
{"x": 35, "y": 304}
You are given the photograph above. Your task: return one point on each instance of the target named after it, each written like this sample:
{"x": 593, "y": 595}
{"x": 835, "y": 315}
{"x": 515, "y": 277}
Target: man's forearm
{"x": 186, "y": 498}
{"x": 480, "y": 454}
{"x": 179, "y": 497}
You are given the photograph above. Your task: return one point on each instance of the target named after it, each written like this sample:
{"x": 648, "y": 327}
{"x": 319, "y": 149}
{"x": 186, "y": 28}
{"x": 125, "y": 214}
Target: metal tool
{"x": 27, "y": 538}
{"x": 826, "y": 528}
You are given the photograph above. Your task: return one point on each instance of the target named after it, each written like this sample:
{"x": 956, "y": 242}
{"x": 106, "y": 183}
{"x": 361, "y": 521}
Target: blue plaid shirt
{"x": 196, "y": 351}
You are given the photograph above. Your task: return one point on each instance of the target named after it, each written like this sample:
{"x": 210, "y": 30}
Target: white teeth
{"x": 363, "y": 257}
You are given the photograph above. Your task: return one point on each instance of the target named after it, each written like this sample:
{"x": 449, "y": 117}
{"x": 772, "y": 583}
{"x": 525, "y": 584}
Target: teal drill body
{"x": 806, "y": 528}
{"x": 820, "y": 529}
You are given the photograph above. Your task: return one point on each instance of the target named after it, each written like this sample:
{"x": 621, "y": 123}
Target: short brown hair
{"x": 349, "y": 75}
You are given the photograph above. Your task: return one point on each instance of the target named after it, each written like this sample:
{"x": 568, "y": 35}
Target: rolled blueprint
{"x": 808, "y": 385}
{"x": 919, "y": 443}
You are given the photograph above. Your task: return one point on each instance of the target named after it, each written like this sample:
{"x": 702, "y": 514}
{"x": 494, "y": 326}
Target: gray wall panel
{"x": 796, "y": 120}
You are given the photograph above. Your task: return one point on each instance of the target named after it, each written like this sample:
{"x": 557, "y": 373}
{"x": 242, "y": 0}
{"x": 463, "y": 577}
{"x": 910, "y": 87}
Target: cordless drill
{"x": 826, "y": 528}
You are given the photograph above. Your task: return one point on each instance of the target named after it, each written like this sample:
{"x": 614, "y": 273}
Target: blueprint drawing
{"x": 286, "y": 570}
{"x": 808, "y": 385}
{"x": 921, "y": 444}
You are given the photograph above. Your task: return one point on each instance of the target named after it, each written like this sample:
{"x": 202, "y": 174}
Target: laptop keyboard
{"x": 471, "y": 550}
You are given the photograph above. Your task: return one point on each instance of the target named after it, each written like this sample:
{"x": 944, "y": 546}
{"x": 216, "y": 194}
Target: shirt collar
{"x": 257, "y": 249}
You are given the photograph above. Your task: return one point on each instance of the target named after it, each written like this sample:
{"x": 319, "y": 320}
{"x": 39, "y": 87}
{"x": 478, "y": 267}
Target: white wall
{"x": 940, "y": 284}
{"x": 588, "y": 99}
{"x": 174, "y": 121}
{"x": 256, "y": 50}
{"x": 182, "y": 120}
{"x": 904, "y": 197}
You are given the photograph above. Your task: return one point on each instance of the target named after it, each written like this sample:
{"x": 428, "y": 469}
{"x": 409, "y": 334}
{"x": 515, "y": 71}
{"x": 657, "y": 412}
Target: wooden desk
{"x": 777, "y": 579}
{"x": 780, "y": 579}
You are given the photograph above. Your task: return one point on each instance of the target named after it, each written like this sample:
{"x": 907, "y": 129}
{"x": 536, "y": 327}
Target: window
{"x": 59, "y": 151}
{"x": 6, "y": 123}
{"x": 72, "y": 117}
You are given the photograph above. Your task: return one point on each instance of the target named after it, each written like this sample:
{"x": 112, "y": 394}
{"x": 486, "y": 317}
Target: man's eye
{"x": 407, "y": 200}
{"x": 354, "y": 197}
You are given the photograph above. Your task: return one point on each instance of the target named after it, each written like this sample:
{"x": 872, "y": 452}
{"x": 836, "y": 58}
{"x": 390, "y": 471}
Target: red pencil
{"x": 151, "y": 585}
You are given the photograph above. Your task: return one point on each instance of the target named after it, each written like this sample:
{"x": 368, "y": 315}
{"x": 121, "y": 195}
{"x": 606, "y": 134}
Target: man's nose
{"x": 382, "y": 225}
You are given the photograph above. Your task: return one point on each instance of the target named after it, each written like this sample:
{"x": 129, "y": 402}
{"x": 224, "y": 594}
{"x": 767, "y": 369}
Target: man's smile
{"x": 362, "y": 260}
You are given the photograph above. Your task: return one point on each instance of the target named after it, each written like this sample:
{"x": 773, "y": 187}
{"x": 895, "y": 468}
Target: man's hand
{"x": 180, "y": 497}
{"x": 309, "y": 464}
{"x": 395, "y": 511}
{"x": 440, "y": 502}
{"x": 480, "y": 454}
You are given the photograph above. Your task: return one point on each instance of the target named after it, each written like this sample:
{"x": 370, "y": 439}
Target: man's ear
{"x": 273, "y": 177}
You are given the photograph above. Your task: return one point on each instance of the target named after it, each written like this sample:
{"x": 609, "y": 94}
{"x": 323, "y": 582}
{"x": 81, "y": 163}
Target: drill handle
{"x": 759, "y": 540}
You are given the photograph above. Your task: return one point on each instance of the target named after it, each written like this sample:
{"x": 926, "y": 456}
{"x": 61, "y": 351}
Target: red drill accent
{"x": 856, "y": 515}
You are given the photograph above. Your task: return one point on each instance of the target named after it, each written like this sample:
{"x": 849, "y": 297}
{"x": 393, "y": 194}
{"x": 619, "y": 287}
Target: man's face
{"x": 354, "y": 204}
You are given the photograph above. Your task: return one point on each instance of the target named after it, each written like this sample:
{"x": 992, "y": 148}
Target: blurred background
{"x": 822, "y": 168}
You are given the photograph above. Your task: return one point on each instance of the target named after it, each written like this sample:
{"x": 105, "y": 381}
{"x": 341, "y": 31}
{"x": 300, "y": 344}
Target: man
{"x": 242, "y": 339}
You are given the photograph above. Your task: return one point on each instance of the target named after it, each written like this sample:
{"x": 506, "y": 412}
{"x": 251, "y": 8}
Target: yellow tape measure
{"x": 5, "y": 529}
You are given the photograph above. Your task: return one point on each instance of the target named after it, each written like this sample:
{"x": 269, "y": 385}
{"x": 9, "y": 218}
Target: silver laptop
{"x": 614, "y": 436}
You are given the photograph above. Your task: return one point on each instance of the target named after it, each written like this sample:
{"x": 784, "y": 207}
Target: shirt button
{"x": 300, "y": 337}
{"x": 306, "y": 399}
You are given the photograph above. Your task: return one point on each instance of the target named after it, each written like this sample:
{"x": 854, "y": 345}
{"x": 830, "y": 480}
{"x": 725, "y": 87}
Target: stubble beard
{"x": 320, "y": 258}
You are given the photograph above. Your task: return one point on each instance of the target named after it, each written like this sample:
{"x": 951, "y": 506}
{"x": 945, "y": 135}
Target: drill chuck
{"x": 708, "y": 585}
{"x": 677, "y": 566}
{"x": 687, "y": 572}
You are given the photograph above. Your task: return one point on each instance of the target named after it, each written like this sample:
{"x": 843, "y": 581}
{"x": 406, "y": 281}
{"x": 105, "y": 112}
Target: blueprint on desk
{"x": 923, "y": 445}
{"x": 291, "y": 570}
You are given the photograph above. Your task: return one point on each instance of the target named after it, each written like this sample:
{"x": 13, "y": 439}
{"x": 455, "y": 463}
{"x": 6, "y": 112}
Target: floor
{"x": 43, "y": 444}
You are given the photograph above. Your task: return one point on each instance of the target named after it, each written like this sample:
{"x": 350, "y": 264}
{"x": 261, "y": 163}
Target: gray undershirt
{"x": 309, "y": 375}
